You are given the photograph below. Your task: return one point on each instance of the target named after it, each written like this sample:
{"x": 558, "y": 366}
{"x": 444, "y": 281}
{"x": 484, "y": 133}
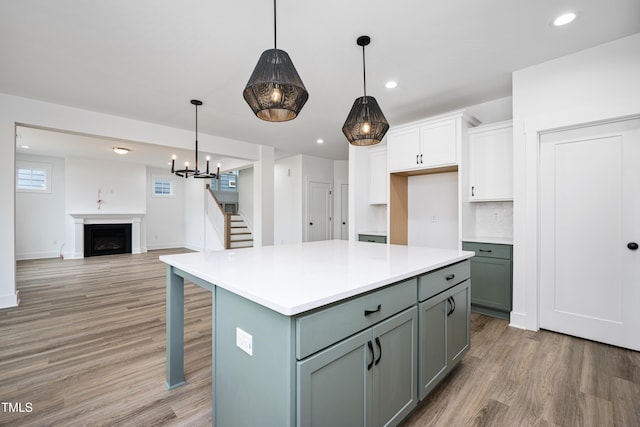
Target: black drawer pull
{"x": 370, "y": 365}
{"x": 370, "y": 240}
{"x": 485, "y": 250}
{"x": 450, "y": 277}
{"x": 368, "y": 312}
{"x": 379, "y": 349}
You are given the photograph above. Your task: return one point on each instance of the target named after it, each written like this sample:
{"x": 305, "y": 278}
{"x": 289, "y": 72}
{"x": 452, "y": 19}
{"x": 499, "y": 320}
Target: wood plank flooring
{"x": 86, "y": 346}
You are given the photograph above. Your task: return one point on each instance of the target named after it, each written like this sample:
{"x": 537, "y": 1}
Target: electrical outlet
{"x": 244, "y": 341}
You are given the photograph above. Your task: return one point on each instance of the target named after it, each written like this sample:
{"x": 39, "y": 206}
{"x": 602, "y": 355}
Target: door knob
{"x": 632, "y": 245}
{"x": 310, "y": 223}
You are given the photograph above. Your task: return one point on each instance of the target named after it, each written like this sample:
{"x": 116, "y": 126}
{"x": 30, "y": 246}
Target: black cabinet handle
{"x": 473, "y": 189}
{"x": 417, "y": 162}
{"x": 370, "y": 365}
{"x": 368, "y": 312}
{"x": 485, "y": 250}
{"x": 379, "y": 350}
{"x": 632, "y": 245}
{"x": 372, "y": 241}
{"x": 452, "y": 304}
{"x": 450, "y": 277}
{"x": 420, "y": 158}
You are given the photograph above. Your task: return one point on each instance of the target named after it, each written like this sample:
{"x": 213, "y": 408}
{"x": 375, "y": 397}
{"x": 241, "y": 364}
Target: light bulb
{"x": 366, "y": 127}
{"x": 276, "y": 95}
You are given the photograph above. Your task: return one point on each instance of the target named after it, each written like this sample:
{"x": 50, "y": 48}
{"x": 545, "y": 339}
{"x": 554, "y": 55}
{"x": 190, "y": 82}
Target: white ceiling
{"x": 145, "y": 59}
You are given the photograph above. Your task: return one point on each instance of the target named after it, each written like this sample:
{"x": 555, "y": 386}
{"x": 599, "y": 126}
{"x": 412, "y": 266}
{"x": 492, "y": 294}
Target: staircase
{"x": 239, "y": 234}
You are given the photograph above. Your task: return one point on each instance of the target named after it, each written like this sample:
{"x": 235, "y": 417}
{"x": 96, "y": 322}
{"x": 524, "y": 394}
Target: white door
{"x": 589, "y": 227}
{"x": 344, "y": 211}
{"x": 318, "y": 211}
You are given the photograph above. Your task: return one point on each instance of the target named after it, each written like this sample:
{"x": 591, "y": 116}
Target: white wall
{"x": 432, "y": 210}
{"x": 245, "y": 195}
{"x": 40, "y": 225}
{"x": 288, "y": 200}
{"x": 165, "y": 215}
{"x": 595, "y": 84}
{"x": 340, "y": 177}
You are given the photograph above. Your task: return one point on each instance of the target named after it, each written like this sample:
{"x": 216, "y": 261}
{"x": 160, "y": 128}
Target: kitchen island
{"x": 332, "y": 332}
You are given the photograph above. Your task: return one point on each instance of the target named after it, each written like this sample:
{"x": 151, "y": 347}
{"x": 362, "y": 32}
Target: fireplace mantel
{"x": 80, "y": 219}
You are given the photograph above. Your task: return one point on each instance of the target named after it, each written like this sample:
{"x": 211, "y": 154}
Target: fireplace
{"x": 107, "y": 239}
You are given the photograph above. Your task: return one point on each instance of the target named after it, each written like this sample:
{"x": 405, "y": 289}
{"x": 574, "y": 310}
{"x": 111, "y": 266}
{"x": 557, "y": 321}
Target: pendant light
{"x": 195, "y": 172}
{"x": 365, "y": 124}
{"x": 275, "y": 91}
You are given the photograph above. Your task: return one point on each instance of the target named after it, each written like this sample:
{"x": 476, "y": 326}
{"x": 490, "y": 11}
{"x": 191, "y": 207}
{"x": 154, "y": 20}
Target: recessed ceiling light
{"x": 564, "y": 19}
{"x": 391, "y": 84}
{"x": 320, "y": 141}
{"x": 121, "y": 150}
{"x": 26, "y": 147}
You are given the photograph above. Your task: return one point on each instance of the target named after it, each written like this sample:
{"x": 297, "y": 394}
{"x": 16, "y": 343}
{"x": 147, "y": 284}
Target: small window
{"x": 33, "y": 177}
{"x": 163, "y": 187}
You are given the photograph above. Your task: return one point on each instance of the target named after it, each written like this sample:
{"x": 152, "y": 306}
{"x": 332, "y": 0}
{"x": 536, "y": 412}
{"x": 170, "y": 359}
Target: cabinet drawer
{"x": 327, "y": 326}
{"x": 372, "y": 238}
{"x": 488, "y": 250}
{"x": 433, "y": 283}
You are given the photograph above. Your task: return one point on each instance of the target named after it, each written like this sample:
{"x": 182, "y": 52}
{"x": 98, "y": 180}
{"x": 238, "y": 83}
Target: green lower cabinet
{"x": 373, "y": 238}
{"x": 491, "y": 272}
{"x": 368, "y": 379}
{"x": 444, "y": 334}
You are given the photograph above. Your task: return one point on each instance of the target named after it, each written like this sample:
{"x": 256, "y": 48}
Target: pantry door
{"x": 590, "y": 231}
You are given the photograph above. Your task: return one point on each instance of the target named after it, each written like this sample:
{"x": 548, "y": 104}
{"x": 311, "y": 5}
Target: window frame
{"x": 46, "y": 168}
{"x": 172, "y": 186}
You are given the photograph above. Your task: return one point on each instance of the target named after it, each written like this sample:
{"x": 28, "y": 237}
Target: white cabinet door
{"x": 491, "y": 162}
{"x": 589, "y": 222}
{"x": 378, "y": 176}
{"x": 438, "y": 144}
{"x": 403, "y": 149}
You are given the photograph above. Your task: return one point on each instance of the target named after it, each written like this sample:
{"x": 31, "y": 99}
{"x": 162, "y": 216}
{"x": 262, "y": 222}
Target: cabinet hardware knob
{"x": 379, "y": 350}
{"x": 310, "y": 223}
{"x": 370, "y": 365}
{"x": 450, "y": 277}
{"x": 368, "y": 312}
{"x": 344, "y": 223}
{"x": 632, "y": 245}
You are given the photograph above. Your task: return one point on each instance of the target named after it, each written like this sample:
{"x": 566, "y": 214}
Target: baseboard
{"x": 36, "y": 255}
{"x": 518, "y": 320}
{"x": 10, "y": 300}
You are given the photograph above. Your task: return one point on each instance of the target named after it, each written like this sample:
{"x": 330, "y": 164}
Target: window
{"x": 33, "y": 177}
{"x": 163, "y": 186}
{"x": 227, "y": 182}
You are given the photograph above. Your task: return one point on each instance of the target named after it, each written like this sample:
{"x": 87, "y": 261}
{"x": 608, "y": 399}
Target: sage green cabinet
{"x": 444, "y": 334}
{"x": 374, "y": 238}
{"x": 491, "y": 272}
{"x": 368, "y": 379}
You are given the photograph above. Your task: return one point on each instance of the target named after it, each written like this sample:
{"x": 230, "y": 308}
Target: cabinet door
{"x": 433, "y": 342}
{"x": 395, "y": 391}
{"x": 438, "y": 144}
{"x": 491, "y": 283}
{"x": 491, "y": 163}
{"x": 378, "y": 177}
{"x": 458, "y": 322}
{"x": 403, "y": 149}
{"x": 334, "y": 386}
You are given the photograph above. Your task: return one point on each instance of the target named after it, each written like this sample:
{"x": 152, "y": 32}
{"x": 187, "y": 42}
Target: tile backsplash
{"x": 494, "y": 219}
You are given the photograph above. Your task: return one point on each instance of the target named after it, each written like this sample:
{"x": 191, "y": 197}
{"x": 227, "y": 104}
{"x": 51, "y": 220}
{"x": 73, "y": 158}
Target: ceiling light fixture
{"x": 275, "y": 91}
{"x": 320, "y": 141}
{"x": 564, "y": 19}
{"x": 365, "y": 124}
{"x": 195, "y": 172}
{"x": 391, "y": 84}
{"x": 121, "y": 150}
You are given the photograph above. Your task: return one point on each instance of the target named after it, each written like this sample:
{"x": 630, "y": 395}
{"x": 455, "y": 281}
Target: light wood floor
{"x": 86, "y": 346}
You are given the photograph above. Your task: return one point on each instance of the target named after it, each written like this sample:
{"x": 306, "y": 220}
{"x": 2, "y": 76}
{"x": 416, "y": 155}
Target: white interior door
{"x": 318, "y": 211}
{"x": 344, "y": 211}
{"x": 589, "y": 222}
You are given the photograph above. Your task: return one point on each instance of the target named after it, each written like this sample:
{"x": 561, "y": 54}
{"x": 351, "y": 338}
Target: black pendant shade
{"x": 365, "y": 124}
{"x": 275, "y": 91}
{"x": 195, "y": 172}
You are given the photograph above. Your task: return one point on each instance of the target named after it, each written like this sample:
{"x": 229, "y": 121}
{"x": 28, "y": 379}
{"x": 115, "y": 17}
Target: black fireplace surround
{"x": 107, "y": 239}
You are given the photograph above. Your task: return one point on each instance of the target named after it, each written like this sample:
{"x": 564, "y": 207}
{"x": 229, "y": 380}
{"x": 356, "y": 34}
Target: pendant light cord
{"x": 275, "y": 44}
{"x": 364, "y": 74}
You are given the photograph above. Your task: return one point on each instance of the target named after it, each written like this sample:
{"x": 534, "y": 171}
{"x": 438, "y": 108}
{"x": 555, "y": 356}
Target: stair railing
{"x": 220, "y": 220}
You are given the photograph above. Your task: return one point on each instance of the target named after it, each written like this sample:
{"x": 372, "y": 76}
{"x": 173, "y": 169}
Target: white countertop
{"x": 291, "y": 279}
{"x": 489, "y": 239}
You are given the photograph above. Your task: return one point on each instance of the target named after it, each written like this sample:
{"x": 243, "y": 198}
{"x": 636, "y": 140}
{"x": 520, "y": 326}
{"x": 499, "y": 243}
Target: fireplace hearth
{"x": 107, "y": 239}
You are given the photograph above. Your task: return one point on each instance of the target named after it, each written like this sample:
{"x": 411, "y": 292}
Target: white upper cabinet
{"x": 430, "y": 143}
{"x": 378, "y": 185}
{"x": 491, "y": 162}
